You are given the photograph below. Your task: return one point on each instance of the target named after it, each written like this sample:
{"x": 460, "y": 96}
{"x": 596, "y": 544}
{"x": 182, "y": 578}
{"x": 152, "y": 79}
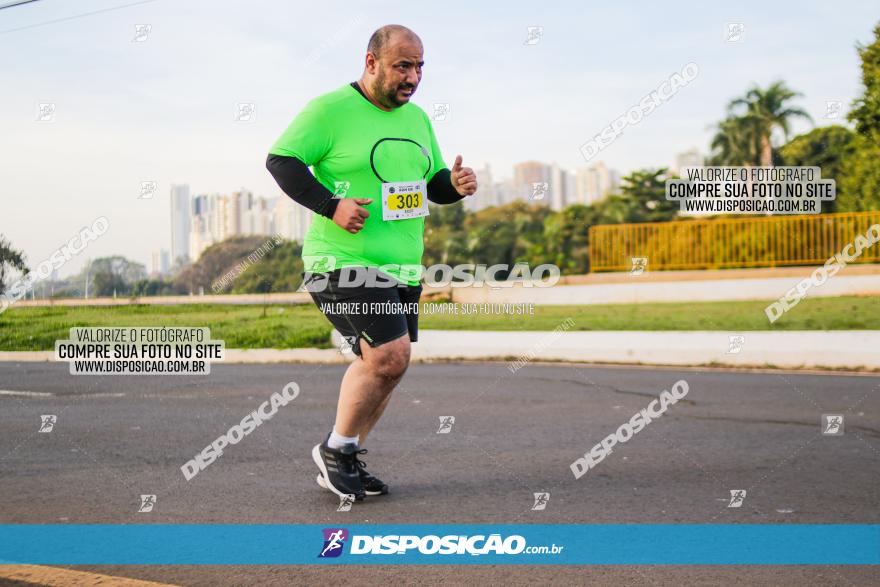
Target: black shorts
{"x": 374, "y": 314}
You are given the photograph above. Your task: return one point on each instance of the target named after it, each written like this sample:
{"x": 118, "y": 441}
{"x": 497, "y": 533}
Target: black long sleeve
{"x": 295, "y": 180}
{"x": 440, "y": 190}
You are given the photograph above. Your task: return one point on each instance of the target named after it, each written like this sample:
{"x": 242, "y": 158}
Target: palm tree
{"x": 736, "y": 142}
{"x": 767, "y": 110}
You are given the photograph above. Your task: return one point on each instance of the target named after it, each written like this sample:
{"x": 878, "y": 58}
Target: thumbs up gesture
{"x": 464, "y": 180}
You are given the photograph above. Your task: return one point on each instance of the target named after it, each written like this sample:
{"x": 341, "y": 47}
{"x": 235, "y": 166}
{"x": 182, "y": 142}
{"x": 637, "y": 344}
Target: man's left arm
{"x": 451, "y": 186}
{"x": 448, "y": 186}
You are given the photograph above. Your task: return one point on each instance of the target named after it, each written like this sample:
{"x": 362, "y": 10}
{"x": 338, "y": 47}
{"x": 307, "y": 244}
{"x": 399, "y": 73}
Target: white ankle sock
{"x": 337, "y": 440}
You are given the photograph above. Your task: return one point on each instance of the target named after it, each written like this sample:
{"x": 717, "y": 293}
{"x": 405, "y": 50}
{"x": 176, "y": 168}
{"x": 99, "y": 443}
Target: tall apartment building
{"x": 216, "y": 218}
{"x": 560, "y": 186}
{"x": 290, "y": 220}
{"x": 206, "y": 224}
{"x": 161, "y": 263}
{"x": 487, "y": 191}
{"x": 180, "y": 221}
{"x": 526, "y": 175}
{"x": 596, "y": 182}
{"x": 690, "y": 158}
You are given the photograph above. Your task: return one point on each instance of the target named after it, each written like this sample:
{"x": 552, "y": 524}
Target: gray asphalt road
{"x": 514, "y": 434}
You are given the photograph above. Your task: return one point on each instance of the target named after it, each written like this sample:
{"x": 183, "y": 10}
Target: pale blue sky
{"x": 163, "y": 109}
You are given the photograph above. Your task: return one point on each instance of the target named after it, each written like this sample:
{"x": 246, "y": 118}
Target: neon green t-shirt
{"x": 350, "y": 144}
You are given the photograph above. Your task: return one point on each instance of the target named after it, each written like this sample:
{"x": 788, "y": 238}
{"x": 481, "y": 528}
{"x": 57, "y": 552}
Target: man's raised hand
{"x": 464, "y": 180}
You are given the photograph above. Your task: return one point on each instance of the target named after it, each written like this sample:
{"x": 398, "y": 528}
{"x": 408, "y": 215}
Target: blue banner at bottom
{"x": 564, "y": 544}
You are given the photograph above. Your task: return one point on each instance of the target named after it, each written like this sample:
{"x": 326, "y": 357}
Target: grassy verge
{"x": 843, "y": 313}
{"x": 284, "y": 326}
{"x": 241, "y": 327}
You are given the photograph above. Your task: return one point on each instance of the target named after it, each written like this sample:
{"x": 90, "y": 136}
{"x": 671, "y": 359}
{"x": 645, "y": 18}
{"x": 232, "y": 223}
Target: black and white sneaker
{"x": 339, "y": 469}
{"x": 372, "y": 485}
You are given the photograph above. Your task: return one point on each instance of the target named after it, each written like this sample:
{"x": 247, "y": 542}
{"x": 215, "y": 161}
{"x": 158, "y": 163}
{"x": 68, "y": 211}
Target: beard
{"x": 387, "y": 95}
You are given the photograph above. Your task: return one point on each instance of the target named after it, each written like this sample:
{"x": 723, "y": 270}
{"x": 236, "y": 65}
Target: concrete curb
{"x": 839, "y": 350}
{"x": 641, "y": 292}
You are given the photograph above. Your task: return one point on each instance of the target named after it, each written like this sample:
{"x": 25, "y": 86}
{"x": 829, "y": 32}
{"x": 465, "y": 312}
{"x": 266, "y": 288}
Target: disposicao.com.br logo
{"x": 476, "y": 545}
{"x": 334, "y": 540}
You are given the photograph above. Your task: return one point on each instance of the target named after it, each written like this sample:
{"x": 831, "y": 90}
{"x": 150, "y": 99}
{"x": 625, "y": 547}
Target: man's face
{"x": 398, "y": 71}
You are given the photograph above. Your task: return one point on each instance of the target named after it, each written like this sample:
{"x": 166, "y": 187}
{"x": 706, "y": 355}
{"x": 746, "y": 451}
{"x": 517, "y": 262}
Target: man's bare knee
{"x": 391, "y": 359}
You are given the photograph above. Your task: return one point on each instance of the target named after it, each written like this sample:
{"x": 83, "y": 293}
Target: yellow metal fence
{"x": 767, "y": 241}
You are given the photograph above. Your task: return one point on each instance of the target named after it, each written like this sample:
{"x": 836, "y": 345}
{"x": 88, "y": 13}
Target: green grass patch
{"x": 842, "y": 313}
{"x": 285, "y": 326}
{"x": 240, "y": 327}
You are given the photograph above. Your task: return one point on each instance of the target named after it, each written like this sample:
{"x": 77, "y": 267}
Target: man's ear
{"x": 371, "y": 63}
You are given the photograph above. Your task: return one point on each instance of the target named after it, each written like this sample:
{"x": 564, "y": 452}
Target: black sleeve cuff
{"x": 295, "y": 180}
{"x": 440, "y": 190}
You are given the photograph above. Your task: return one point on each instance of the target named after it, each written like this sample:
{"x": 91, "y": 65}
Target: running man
{"x": 375, "y": 158}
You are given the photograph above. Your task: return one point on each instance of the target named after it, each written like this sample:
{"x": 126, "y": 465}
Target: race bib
{"x": 404, "y": 199}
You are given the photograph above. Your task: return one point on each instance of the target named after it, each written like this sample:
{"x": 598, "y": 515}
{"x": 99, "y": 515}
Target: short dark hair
{"x": 380, "y": 39}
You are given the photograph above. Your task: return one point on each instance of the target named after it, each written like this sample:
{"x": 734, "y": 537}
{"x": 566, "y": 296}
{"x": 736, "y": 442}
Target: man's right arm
{"x": 307, "y": 141}
{"x": 295, "y": 180}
